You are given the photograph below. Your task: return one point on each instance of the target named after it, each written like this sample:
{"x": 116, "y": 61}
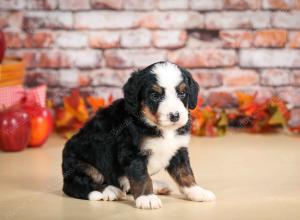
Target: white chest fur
{"x": 162, "y": 149}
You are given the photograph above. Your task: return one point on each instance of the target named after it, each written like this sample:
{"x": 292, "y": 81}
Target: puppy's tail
{"x": 80, "y": 179}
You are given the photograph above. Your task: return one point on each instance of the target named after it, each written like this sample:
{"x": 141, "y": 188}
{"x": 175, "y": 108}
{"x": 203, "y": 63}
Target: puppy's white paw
{"x": 148, "y": 202}
{"x": 95, "y": 196}
{"x": 124, "y": 183}
{"x": 111, "y": 193}
{"x": 161, "y": 188}
{"x": 198, "y": 194}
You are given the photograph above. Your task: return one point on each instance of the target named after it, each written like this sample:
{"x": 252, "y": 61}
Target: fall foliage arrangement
{"x": 271, "y": 115}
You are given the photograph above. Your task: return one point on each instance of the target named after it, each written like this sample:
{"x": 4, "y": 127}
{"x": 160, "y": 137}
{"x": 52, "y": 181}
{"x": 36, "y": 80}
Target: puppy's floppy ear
{"x": 131, "y": 92}
{"x": 193, "y": 89}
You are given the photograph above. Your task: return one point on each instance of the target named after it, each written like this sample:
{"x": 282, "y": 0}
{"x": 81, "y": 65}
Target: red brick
{"x": 270, "y": 38}
{"x": 169, "y": 39}
{"x": 105, "y": 92}
{"x": 132, "y": 58}
{"x": 38, "y": 77}
{"x": 239, "y": 77}
{"x": 140, "y": 5}
{"x": 52, "y": 20}
{"x": 38, "y": 40}
{"x": 13, "y": 39}
{"x": 74, "y": 4}
{"x": 275, "y": 77}
{"x": 170, "y": 4}
{"x": 42, "y": 4}
{"x": 286, "y": 19}
{"x": 12, "y": 20}
{"x": 68, "y": 78}
{"x": 104, "y": 39}
{"x": 12, "y": 4}
{"x": 295, "y": 118}
{"x": 30, "y": 57}
{"x": 84, "y": 59}
{"x": 106, "y": 20}
{"x": 281, "y": 4}
{"x": 84, "y": 80}
{"x": 54, "y": 59}
{"x": 203, "y": 58}
{"x": 207, "y": 78}
{"x": 3, "y": 19}
{"x": 236, "y": 38}
{"x": 232, "y": 20}
{"x": 104, "y": 4}
{"x": 289, "y": 95}
{"x": 172, "y": 20}
{"x": 295, "y": 77}
{"x": 136, "y": 38}
{"x": 294, "y": 39}
{"x": 108, "y": 77}
{"x": 269, "y": 58}
{"x": 199, "y": 39}
{"x": 242, "y": 4}
{"x": 206, "y": 5}
{"x": 71, "y": 40}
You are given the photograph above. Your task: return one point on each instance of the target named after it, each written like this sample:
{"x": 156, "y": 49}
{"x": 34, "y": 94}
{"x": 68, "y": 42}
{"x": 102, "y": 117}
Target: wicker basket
{"x": 12, "y": 72}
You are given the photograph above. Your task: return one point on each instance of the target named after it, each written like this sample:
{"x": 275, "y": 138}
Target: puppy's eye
{"x": 181, "y": 95}
{"x": 154, "y": 96}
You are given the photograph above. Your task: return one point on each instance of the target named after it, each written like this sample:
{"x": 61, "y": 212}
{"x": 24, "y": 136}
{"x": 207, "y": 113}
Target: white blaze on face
{"x": 169, "y": 77}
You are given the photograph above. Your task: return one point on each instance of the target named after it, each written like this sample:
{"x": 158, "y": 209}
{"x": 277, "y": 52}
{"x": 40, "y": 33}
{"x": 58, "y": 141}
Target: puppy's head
{"x": 161, "y": 94}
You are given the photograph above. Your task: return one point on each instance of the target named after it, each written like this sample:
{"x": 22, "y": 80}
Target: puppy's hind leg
{"x": 82, "y": 180}
{"x": 161, "y": 188}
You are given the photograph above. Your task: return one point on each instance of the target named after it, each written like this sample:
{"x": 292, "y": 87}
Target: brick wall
{"x": 229, "y": 45}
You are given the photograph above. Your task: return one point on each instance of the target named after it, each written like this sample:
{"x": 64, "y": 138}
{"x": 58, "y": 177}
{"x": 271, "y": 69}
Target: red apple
{"x": 2, "y": 46}
{"x": 41, "y": 123}
{"x": 14, "y": 129}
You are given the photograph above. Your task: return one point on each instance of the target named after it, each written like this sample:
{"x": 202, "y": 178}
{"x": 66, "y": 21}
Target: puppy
{"x": 148, "y": 130}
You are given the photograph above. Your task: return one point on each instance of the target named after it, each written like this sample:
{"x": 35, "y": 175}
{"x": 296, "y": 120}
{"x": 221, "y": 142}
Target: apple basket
{"x": 12, "y": 72}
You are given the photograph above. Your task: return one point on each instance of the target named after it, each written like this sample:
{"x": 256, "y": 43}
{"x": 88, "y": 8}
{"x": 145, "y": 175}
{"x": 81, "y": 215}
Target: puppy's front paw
{"x": 111, "y": 193}
{"x": 148, "y": 202}
{"x": 198, "y": 194}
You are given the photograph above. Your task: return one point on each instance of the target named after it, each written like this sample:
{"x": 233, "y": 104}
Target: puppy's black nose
{"x": 174, "y": 116}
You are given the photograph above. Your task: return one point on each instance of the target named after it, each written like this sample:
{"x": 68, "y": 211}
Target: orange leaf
{"x": 110, "y": 99}
{"x": 245, "y": 99}
{"x": 62, "y": 117}
{"x": 96, "y": 103}
{"x": 76, "y": 106}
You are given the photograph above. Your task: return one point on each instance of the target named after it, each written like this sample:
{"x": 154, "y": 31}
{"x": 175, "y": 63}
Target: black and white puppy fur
{"x": 137, "y": 136}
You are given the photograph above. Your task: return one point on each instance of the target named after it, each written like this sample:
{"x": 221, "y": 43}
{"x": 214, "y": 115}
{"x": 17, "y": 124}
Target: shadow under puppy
{"x": 135, "y": 137}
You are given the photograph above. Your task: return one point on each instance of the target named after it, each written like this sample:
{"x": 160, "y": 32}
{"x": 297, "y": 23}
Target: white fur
{"x": 169, "y": 77}
{"x": 148, "y": 202}
{"x": 111, "y": 193}
{"x": 162, "y": 149}
{"x": 198, "y": 194}
{"x": 95, "y": 196}
{"x": 124, "y": 183}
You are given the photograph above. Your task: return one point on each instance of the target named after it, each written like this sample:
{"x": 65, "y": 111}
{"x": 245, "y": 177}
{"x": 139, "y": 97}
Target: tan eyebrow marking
{"x": 157, "y": 88}
{"x": 182, "y": 87}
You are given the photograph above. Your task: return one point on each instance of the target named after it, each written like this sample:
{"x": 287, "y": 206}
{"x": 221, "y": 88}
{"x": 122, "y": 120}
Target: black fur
{"x": 110, "y": 141}
{"x": 193, "y": 88}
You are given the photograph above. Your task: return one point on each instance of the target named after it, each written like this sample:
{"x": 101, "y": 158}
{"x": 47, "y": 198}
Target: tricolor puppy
{"x": 147, "y": 131}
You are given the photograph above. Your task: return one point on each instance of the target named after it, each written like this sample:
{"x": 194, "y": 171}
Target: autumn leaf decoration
{"x": 207, "y": 120}
{"x": 75, "y": 112}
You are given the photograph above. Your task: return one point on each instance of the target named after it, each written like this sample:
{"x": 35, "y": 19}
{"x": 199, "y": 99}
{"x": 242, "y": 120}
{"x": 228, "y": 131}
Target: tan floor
{"x": 253, "y": 177}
